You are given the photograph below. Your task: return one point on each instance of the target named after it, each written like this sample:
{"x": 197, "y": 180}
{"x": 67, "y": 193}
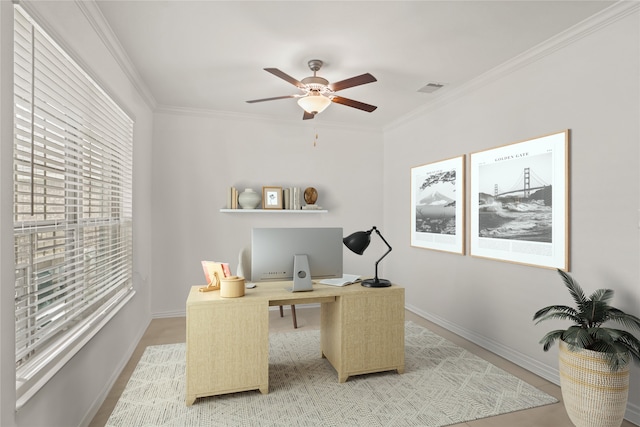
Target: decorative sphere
{"x": 310, "y": 195}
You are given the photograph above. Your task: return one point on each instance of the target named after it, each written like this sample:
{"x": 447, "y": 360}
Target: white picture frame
{"x": 519, "y": 202}
{"x": 438, "y": 205}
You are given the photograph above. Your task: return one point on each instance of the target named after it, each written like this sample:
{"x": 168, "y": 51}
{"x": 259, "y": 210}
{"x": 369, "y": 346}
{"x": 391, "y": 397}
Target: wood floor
{"x": 172, "y": 330}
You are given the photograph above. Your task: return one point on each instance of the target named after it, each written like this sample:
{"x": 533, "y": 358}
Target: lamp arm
{"x": 385, "y": 254}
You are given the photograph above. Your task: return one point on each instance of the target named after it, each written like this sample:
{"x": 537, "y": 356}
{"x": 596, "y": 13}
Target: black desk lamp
{"x": 359, "y": 241}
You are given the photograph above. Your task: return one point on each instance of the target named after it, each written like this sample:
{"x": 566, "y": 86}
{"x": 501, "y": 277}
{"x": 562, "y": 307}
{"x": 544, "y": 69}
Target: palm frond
{"x": 627, "y": 320}
{"x": 632, "y": 344}
{"x": 562, "y": 312}
{"x": 595, "y": 313}
{"x": 615, "y": 352}
{"x": 607, "y": 335}
{"x": 603, "y": 295}
{"x": 574, "y": 289}
{"x": 550, "y": 338}
{"x": 578, "y": 337}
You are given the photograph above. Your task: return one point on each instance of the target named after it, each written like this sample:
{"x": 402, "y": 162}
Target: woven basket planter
{"x": 594, "y": 396}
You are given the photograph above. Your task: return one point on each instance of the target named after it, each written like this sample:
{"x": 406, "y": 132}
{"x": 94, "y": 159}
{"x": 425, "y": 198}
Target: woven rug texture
{"x": 443, "y": 384}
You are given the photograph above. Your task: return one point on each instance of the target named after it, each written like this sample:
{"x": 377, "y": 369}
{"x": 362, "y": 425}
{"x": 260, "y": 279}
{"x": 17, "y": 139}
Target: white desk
{"x": 362, "y": 331}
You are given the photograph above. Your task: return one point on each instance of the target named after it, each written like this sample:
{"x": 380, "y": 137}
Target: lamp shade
{"x": 314, "y": 103}
{"x": 358, "y": 242}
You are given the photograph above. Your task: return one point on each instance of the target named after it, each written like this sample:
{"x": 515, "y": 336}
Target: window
{"x": 72, "y": 206}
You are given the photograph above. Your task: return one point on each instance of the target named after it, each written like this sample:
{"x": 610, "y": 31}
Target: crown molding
{"x": 31, "y": 8}
{"x": 226, "y": 115}
{"x": 100, "y": 25}
{"x": 597, "y": 22}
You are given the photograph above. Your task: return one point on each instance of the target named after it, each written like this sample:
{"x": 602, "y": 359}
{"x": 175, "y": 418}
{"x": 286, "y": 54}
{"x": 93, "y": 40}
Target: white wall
{"x": 196, "y": 157}
{"x": 74, "y": 393}
{"x": 590, "y": 86}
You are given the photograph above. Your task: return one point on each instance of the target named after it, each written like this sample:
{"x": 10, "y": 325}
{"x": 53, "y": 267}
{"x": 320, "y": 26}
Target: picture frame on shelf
{"x": 519, "y": 202}
{"x": 271, "y": 197}
{"x": 438, "y": 205}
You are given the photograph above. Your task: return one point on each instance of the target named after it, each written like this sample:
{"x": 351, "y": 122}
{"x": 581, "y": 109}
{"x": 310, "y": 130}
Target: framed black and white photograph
{"x": 520, "y": 202}
{"x": 271, "y": 197}
{"x": 437, "y": 205}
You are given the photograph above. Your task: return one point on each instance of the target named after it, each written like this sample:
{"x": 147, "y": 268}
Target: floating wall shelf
{"x": 275, "y": 211}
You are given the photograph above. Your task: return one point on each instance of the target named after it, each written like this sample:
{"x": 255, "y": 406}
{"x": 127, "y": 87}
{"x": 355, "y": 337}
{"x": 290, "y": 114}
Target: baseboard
{"x": 545, "y": 371}
{"x": 542, "y": 370}
{"x": 166, "y": 314}
{"x": 633, "y": 413}
{"x": 102, "y": 396}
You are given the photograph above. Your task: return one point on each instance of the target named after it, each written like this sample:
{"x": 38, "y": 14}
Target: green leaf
{"x": 574, "y": 289}
{"x": 556, "y": 312}
{"x": 603, "y": 295}
{"x": 549, "y": 339}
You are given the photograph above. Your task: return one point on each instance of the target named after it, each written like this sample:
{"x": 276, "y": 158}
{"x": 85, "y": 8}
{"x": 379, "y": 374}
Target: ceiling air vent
{"x": 431, "y": 87}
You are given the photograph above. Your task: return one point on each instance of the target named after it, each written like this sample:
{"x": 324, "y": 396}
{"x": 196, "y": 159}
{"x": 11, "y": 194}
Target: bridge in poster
{"x": 523, "y": 184}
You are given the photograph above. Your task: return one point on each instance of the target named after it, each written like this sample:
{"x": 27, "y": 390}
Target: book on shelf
{"x": 286, "y": 197}
{"x": 345, "y": 280}
{"x": 232, "y": 198}
{"x": 229, "y": 197}
{"x": 291, "y": 198}
{"x": 296, "y": 198}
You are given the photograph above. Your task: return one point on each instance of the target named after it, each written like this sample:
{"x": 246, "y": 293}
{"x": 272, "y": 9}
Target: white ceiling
{"x": 210, "y": 55}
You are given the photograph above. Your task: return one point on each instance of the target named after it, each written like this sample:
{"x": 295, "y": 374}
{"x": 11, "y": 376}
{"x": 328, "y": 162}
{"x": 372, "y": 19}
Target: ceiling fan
{"x": 318, "y": 93}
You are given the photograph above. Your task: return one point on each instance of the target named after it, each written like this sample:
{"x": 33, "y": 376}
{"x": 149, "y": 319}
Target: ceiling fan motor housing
{"x": 315, "y": 83}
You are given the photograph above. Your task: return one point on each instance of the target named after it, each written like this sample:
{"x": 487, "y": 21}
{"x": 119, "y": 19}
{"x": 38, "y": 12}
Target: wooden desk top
{"x": 276, "y": 293}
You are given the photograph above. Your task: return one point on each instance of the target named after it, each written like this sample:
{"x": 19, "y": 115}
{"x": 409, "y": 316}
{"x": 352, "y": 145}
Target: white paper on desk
{"x": 345, "y": 280}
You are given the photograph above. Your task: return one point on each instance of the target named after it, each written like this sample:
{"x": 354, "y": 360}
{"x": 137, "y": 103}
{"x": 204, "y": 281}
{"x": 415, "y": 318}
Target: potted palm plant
{"x": 594, "y": 359}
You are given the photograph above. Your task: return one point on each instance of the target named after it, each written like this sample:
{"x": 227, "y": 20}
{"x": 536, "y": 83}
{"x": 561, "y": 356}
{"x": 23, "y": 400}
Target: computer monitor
{"x": 298, "y": 254}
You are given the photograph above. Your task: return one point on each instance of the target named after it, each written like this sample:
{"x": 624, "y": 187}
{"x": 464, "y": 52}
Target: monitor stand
{"x": 301, "y": 274}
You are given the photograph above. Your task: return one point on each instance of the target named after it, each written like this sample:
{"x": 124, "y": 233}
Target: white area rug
{"x": 443, "y": 384}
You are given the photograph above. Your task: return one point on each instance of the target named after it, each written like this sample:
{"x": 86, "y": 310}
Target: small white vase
{"x": 249, "y": 199}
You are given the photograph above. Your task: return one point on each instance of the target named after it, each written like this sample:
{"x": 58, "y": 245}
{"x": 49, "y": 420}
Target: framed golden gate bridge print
{"x": 519, "y": 202}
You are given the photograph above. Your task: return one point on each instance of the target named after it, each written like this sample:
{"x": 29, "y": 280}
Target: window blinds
{"x": 72, "y": 206}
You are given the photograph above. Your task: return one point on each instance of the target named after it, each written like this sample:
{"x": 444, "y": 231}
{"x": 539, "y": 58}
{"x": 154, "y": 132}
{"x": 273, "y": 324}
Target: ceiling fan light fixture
{"x": 314, "y": 103}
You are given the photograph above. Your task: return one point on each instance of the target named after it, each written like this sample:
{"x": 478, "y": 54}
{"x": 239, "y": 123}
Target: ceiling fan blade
{"x": 307, "y": 116}
{"x": 285, "y": 76}
{"x": 270, "y": 99}
{"x": 355, "y": 104}
{"x": 353, "y": 81}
